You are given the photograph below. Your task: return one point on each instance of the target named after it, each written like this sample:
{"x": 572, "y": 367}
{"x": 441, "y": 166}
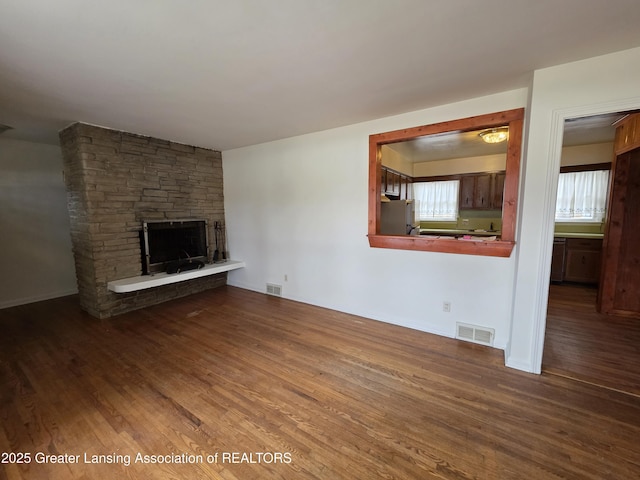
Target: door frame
{"x": 556, "y": 134}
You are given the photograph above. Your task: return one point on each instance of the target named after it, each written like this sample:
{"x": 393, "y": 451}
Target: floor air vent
{"x": 475, "y": 334}
{"x": 273, "y": 289}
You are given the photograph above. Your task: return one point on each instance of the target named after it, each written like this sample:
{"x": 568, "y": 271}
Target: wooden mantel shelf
{"x": 142, "y": 282}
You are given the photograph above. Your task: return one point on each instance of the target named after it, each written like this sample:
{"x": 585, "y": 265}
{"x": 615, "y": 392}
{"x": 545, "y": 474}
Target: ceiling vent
{"x": 475, "y": 334}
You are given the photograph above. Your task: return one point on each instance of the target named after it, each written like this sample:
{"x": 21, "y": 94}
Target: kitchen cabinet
{"x": 576, "y": 260}
{"x": 627, "y": 134}
{"x": 481, "y": 191}
{"x": 497, "y": 190}
{"x": 618, "y": 294}
{"x": 390, "y": 182}
{"x": 582, "y": 260}
{"x": 467, "y": 192}
{"x": 557, "y": 259}
{"x": 409, "y": 187}
{"x": 407, "y": 184}
{"x": 396, "y": 184}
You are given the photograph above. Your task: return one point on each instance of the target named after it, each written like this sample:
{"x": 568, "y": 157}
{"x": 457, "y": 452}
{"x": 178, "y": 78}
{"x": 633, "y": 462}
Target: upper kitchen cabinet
{"x": 395, "y": 185}
{"x": 497, "y": 189}
{"x": 467, "y": 192}
{"x": 390, "y": 182}
{"x": 482, "y": 191}
{"x": 627, "y": 134}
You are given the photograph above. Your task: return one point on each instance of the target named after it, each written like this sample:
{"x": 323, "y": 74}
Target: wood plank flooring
{"x": 302, "y": 392}
{"x": 583, "y": 344}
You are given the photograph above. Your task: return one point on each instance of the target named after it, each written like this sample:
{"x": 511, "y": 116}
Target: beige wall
{"x": 587, "y": 154}
{"x": 396, "y": 161}
{"x": 456, "y": 166}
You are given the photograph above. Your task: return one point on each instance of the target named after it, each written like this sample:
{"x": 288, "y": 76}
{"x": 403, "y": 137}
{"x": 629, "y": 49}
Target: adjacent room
{"x": 592, "y": 327}
{"x": 319, "y": 240}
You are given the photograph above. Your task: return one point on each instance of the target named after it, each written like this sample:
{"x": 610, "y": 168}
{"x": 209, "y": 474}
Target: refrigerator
{"x": 398, "y": 217}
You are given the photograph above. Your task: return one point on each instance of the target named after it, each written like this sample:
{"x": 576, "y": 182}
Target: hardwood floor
{"x": 583, "y": 344}
{"x": 303, "y": 392}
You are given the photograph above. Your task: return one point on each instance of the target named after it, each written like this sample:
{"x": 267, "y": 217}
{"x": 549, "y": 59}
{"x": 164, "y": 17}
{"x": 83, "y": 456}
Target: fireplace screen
{"x": 171, "y": 245}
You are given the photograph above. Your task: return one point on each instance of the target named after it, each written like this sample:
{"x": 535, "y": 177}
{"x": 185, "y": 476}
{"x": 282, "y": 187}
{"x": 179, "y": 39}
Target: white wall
{"x": 296, "y": 213}
{"x": 36, "y": 261}
{"x": 598, "y": 85}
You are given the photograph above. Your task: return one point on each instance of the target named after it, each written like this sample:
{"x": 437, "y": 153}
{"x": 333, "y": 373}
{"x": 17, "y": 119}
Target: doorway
{"x": 579, "y": 342}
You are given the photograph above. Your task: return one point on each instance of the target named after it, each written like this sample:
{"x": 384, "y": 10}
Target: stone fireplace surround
{"x": 115, "y": 180}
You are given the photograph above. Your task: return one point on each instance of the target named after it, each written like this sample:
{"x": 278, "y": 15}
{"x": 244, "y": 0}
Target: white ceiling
{"x": 225, "y": 74}
{"x": 444, "y": 146}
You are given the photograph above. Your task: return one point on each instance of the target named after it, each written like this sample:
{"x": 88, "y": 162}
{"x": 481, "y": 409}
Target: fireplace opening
{"x": 174, "y": 245}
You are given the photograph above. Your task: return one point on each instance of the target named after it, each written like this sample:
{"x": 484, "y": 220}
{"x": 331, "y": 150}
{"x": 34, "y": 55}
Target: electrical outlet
{"x": 446, "y": 307}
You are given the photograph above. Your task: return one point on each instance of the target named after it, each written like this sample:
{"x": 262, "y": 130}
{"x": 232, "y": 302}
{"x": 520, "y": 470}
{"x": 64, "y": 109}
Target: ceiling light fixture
{"x": 495, "y": 135}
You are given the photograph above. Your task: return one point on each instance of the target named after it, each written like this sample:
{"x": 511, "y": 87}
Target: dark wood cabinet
{"x": 557, "y": 260}
{"x": 618, "y": 293}
{"x": 390, "y": 181}
{"x": 576, "y": 260}
{"x": 407, "y": 181}
{"x": 481, "y": 191}
{"x": 393, "y": 185}
{"x": 497, "y": 189}
{"x": 478, "y": 191}
{"x": 627, "y": 134}
{"x": 582, "y": 262}
{"x": 467, "y": 192}
{"x": 405, "y": 191}
{"x": 482, "y": 195}
{"x": 396, "y": 184}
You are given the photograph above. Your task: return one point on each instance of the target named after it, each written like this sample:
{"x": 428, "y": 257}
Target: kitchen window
{"x": 582, "y": 196}
{"x": 437, "y": 201}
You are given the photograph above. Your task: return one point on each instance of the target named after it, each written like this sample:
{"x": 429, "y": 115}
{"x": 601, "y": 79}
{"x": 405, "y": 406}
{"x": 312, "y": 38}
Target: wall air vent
{"x": 475, "y": 334}
{"x": 273, "y": 289}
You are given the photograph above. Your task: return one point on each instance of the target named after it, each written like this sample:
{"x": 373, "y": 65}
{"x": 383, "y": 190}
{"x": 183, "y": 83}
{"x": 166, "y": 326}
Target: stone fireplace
{"x": 116, "y": 181}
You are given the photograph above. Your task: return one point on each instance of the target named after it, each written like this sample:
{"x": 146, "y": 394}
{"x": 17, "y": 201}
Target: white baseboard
{"x": 520, "y": 365}
{"x": 35, "y": 298}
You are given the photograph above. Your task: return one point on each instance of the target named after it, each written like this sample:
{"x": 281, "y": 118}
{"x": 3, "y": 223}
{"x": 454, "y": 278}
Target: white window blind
{"x": 436, "y": 201}
{"x": 582, "y": 196}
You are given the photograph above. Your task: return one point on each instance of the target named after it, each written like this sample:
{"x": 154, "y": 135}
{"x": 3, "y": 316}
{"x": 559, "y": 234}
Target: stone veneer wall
{"x": 115, "y": 180}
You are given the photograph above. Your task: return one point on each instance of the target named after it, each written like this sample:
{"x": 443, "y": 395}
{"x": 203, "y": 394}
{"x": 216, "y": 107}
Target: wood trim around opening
{"x": 499, "y": 248}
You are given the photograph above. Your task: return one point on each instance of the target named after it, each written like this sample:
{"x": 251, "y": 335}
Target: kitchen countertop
{"x": 577, "y": 235}
{"x": 452, "y": 231}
